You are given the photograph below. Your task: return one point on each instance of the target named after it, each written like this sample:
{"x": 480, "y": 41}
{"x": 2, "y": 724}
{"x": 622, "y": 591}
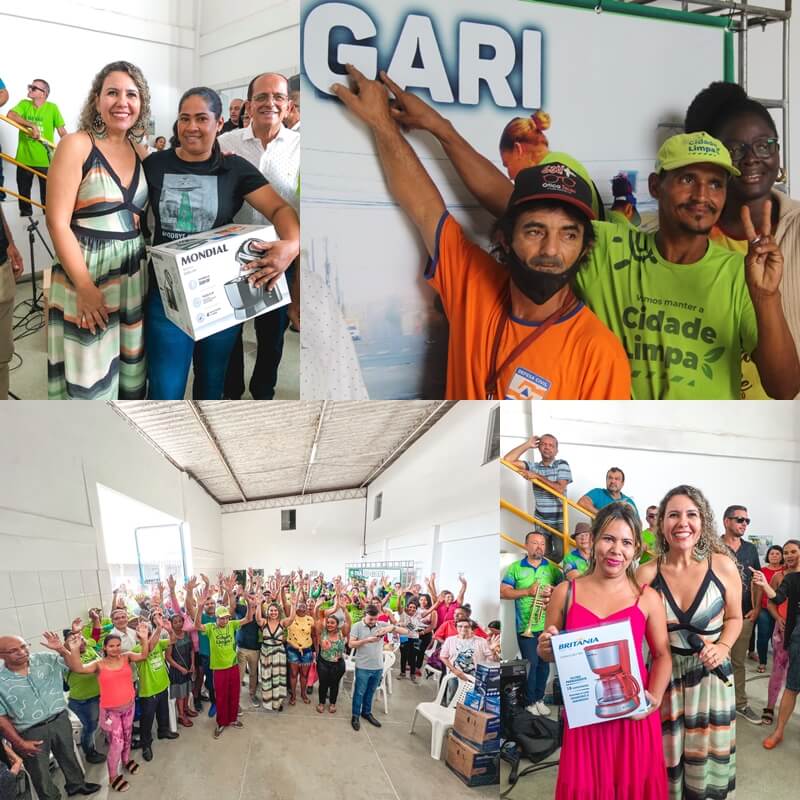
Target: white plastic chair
{"x": 349, "y": 669}
{"x": 173, "y": 715}
{"x": 388, "y": 662}
{"x": 440, "y": 717}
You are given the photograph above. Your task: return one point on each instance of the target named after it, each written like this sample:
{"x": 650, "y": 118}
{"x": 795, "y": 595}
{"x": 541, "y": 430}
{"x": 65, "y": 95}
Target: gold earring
{"x": 781, "y": 176}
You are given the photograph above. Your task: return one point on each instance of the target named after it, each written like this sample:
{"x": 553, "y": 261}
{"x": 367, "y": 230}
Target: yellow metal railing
{"x": 566, "y": 503}
{"x": 49, "y": 145}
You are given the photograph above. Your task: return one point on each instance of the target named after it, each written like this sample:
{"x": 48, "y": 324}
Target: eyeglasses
{"x": 740, "y": 520}
{"x": 33, "y": 88}
{"x": 760, "y": 148}
{"x": 265, "y": 96}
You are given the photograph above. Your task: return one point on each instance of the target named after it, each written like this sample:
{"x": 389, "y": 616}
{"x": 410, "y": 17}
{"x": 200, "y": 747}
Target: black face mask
{"x": 535, "y": 285}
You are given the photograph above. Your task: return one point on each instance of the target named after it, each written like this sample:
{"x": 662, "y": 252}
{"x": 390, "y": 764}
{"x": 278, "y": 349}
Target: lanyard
{"x": 494, "y": 371}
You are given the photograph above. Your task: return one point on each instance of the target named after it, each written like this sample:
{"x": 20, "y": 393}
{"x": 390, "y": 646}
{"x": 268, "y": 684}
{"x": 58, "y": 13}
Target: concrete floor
{"x": 300, "y": 753}
{"x": 759, "y": 772}
{"x": 29, "y": 365}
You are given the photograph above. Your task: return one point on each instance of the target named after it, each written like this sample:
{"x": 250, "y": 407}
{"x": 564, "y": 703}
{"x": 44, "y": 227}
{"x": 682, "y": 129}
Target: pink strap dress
{"x": 622, "y": 759}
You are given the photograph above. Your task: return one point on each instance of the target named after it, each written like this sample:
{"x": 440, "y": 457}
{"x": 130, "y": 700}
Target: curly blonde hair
{"x": 89, "y": 111}
{"x": 709, "y": 542}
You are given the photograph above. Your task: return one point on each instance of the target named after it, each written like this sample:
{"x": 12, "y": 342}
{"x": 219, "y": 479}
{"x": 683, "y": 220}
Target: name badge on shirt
{"x": 526, "y": 385}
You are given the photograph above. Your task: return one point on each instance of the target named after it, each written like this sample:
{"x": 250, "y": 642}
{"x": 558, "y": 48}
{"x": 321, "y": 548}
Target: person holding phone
{"x": 590, "y": 765}
{"x": 366, "y": 639}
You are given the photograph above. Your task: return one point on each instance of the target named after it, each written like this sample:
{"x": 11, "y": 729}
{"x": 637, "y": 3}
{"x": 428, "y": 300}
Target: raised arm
{"x": 462, "y": 590}
{"x": 142, "y": 634}
{"x": 490, "y": 187}
{"x": 515, "y": 455}
{"x": 408, "y": 182}
{"x": 191, "y": 604}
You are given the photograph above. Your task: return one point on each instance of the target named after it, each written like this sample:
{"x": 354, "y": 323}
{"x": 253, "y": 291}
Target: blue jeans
{"x": 538, "y": 669}
{"x": 87, "y": 711}
{"x": 170, "y": 353}
{"x": 765, "y": 625}
{"x": 367, "y": 681}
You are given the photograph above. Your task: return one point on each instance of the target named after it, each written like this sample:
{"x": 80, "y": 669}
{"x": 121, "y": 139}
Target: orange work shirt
{"x": 577, "y": 358}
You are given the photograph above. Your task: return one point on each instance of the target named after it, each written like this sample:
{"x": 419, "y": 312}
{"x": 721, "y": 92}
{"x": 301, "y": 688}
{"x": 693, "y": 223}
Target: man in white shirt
{"x": 275, "y": 150}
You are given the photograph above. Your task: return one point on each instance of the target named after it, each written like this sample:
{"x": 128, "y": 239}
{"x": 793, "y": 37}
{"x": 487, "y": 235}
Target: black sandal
{"x": 132, "y": 767}
{"x": 119, "y": 784}
{"x": 767, "y": 716}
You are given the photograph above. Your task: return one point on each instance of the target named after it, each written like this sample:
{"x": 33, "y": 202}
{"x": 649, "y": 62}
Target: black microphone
{"x": 697, "y": 645}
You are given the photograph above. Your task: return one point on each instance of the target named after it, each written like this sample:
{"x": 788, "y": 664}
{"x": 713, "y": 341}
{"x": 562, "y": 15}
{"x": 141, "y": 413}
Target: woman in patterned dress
{"x": 701, "y": 587}
{"x": 273, "y": 655}
{"x": 97, "y": 195}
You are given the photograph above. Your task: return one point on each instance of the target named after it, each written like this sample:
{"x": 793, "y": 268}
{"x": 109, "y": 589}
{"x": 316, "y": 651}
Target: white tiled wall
{"x": 33, "y": 602}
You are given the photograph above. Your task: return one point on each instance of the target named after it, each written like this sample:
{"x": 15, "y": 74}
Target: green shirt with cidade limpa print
{"x": 222, "y": 643}
{"x": 153, "y": 671}
{"x": 684, "y": 327}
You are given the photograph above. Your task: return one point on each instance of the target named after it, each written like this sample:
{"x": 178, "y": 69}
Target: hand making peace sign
{"x": 764, "y": 260}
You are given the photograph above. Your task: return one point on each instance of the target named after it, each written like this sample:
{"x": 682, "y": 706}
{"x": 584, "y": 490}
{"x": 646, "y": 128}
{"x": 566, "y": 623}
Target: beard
{"x": 536, "y": 285}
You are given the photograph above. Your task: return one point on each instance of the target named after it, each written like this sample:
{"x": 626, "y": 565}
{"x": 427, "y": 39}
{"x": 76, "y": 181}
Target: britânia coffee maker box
{"x": 203, "y": 283}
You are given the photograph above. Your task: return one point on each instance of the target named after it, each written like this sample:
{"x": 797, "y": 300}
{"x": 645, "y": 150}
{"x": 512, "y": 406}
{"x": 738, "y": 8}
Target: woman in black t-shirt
{"x": 194, "y": 188}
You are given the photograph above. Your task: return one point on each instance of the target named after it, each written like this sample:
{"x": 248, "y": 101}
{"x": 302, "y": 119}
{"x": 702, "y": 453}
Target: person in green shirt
{"x": 649, "y": 535}
{"x": 84, "y": 696}
{"x": 154, "y": 688}
{"x": 534, "y": 576}
{"x": 224, "y": 663}
{"x": 576, "y": 562}
{"x": 683, "y": 307}
{"x": 40, "y": 119}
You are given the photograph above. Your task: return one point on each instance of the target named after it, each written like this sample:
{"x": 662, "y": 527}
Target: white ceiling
{"x": 244, "y": 452}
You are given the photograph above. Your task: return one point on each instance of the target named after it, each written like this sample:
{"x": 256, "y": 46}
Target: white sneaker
{"x": 533, "y": 708}
{"x": 542, "y": 708}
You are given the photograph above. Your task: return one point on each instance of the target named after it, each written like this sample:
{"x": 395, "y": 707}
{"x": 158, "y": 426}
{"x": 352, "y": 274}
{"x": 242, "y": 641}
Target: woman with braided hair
{"x": 747, "y": 129}
{"x": 701, "y": 588}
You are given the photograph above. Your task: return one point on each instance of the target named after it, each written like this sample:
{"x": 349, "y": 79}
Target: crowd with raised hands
{"x": 279, "y": 635}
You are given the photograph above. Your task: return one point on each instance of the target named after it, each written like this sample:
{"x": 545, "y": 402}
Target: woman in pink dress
{"x": 620, "y": 759}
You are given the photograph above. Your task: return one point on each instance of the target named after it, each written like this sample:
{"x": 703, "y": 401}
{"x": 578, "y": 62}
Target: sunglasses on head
{"x": 740, "y": 520}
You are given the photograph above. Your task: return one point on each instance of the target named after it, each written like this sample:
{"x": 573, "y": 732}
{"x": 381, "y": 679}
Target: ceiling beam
{"x": 446, "y": 404}
{"x": 313, "y": 453}
{"x": 294, "y": 500}
{"x": 212, "y": 439}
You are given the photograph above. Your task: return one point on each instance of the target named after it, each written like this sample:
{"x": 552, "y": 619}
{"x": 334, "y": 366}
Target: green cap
{"x": 694, "y": 148}
{"x": 222, "y": 611}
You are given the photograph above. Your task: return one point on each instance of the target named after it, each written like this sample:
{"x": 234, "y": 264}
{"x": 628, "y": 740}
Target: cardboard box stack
{"x": 473, "y": 745}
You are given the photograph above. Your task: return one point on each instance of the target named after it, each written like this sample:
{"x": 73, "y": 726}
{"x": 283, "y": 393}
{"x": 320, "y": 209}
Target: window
{"x": 288, "y": 519}
{"x": 376, "y": 513}
{"x": 492, "y": 449}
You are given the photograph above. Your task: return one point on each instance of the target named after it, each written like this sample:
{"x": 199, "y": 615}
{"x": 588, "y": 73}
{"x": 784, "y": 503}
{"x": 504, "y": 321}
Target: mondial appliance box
{"x": 203, "y": 283}
{"x": 599, "y": 673}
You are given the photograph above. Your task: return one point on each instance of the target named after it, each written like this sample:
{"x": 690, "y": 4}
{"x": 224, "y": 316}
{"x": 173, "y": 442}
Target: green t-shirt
{"x": 683, "y": 326}
{"x": 47, "y": 118}
{"x": 522, "y": 575}
{"x": 356, "y": 613}
{"x": 649, "y": 541}
{"x": 84, "y": 687}
{"x": 153, "y": 671}
{"x": 222, "y": 642}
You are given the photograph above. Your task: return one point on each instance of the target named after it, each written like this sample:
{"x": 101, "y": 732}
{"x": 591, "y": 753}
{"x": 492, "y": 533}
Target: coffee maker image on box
{"x": 247, "y": 300}
{"x": 616, "y": 691}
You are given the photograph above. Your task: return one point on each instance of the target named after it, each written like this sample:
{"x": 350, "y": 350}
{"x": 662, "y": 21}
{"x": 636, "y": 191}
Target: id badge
{"x": 527, "y": 385}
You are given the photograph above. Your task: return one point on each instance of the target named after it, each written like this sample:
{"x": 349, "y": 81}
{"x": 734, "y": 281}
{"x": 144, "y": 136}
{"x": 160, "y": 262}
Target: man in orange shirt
{"x": 519, "y": 332}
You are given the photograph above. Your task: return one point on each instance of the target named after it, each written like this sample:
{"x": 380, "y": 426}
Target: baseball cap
{"x": 694, "y": 148}
{"x": 222, "y": 611}
{"x": 554, "y": 181}
{"x": 565, "y": 158}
